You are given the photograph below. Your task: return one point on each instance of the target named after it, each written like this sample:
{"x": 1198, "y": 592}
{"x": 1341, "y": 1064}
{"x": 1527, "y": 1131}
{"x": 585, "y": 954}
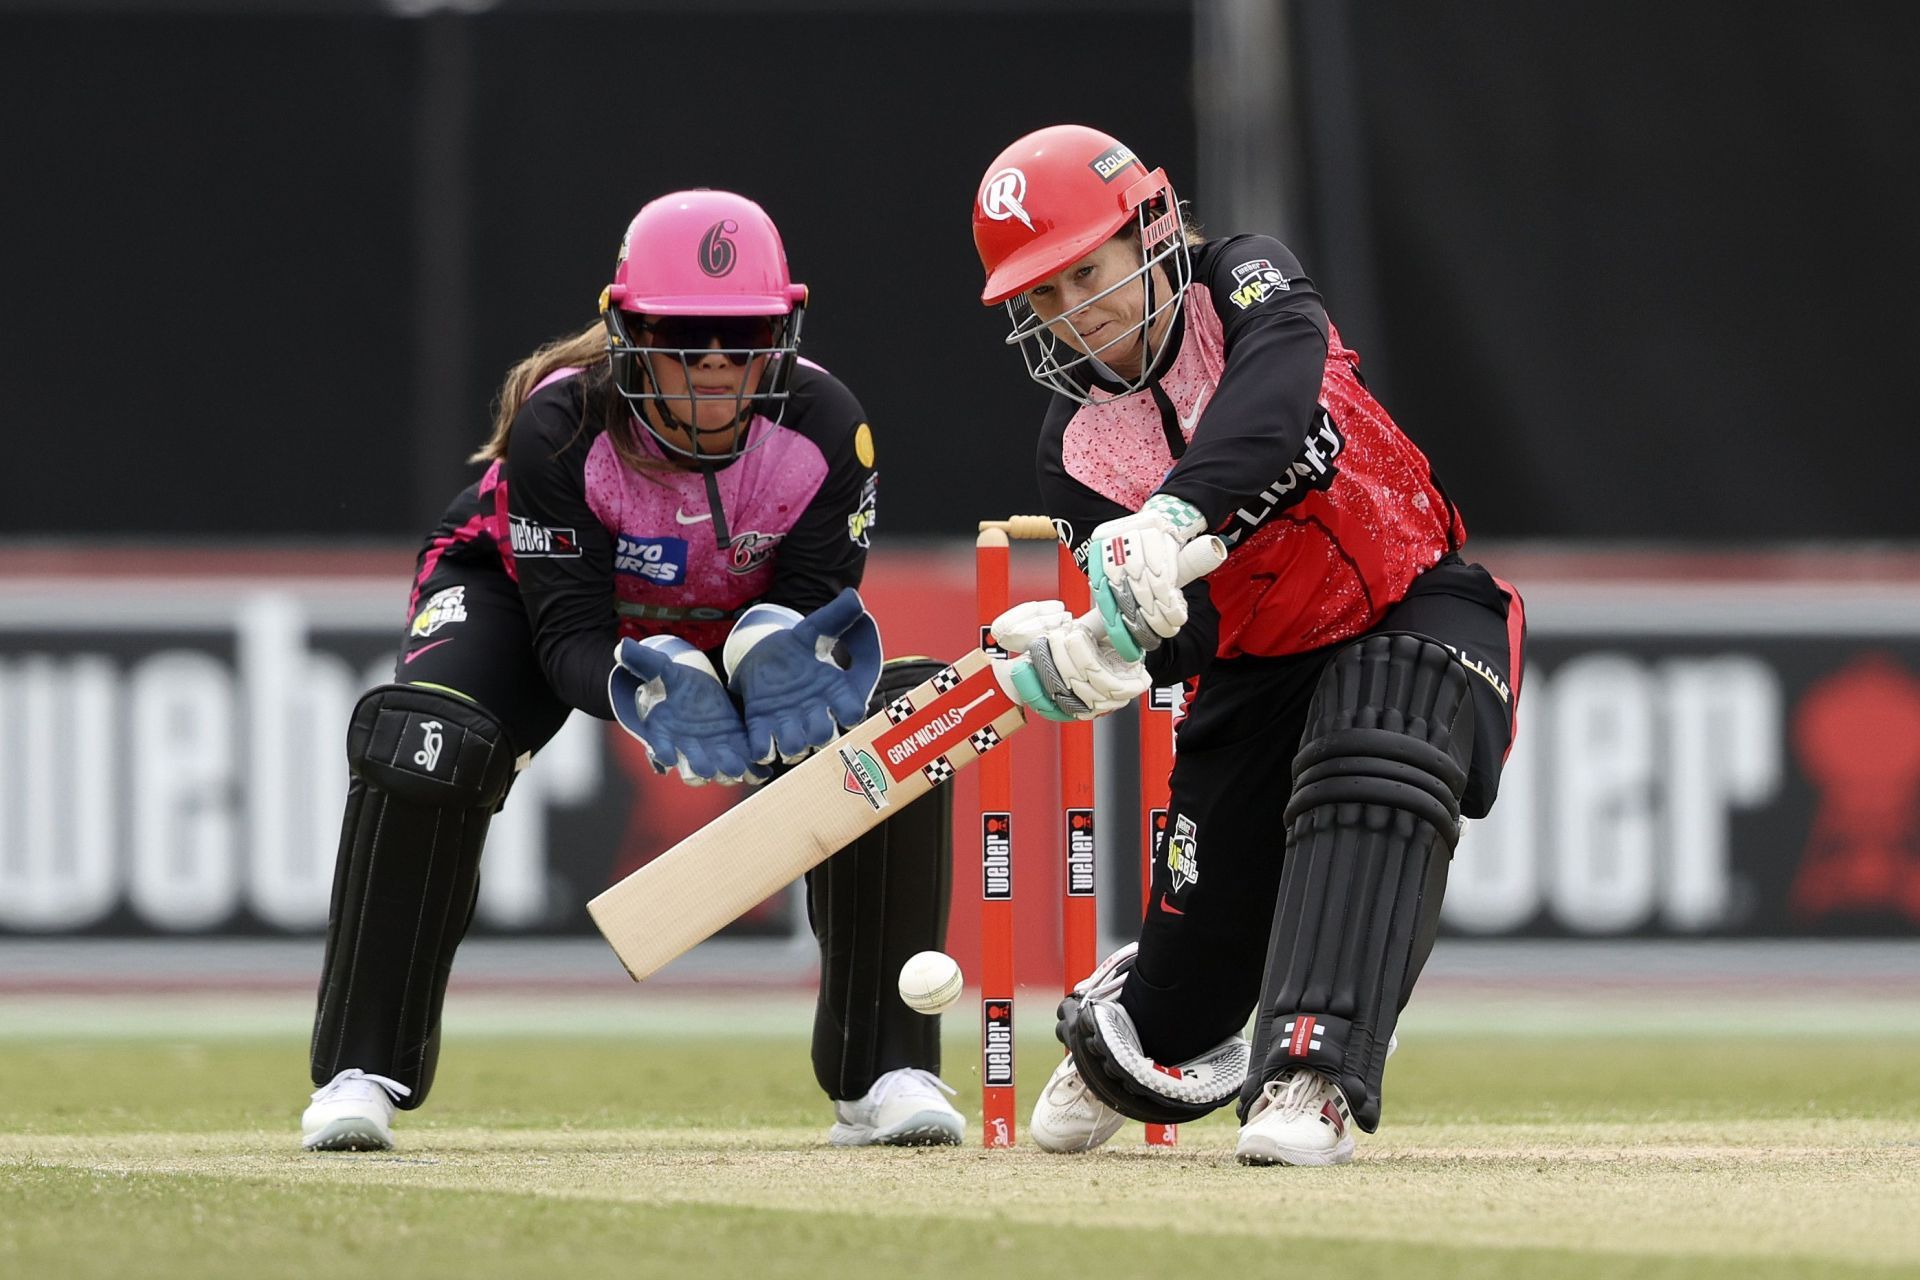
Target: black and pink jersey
{"x": 601, "y": 551}
{"x": 1259, "y": 418}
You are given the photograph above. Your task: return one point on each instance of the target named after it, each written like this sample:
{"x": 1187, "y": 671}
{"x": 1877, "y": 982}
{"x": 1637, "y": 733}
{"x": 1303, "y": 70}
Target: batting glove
{"x": 1067, "y": 668}
{"x": 1133, "y": 571}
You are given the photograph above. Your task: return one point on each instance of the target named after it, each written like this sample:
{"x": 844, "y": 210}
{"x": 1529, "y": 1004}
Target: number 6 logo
{"x": 717, "y": 254}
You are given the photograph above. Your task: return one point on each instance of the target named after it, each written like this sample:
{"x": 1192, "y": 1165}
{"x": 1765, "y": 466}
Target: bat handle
{"x": 1201, "y": 557}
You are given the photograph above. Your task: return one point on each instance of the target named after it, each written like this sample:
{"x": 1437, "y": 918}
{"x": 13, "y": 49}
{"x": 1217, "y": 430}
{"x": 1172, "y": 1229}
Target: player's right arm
{"x": 563, "y": 555}
{"x": 1077, "y": 510}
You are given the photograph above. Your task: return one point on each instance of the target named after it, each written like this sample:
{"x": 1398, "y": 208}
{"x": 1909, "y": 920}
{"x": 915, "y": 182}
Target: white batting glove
{"x": 1069, "y": 670}
{"x": 1134, "y": 572}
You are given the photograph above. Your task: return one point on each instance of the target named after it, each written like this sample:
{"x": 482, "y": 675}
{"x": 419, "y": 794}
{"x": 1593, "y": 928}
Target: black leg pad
{"x": 429, "y": 769}
{"x": 1371, "y": 827}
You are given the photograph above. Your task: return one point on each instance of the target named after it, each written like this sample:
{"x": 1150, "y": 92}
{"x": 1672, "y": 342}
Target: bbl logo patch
{"x": 1255, "y": 282}
{"x": 443, "y": 609}
{"x": 1183, "y": 853}
{"x": 866, "y": 515}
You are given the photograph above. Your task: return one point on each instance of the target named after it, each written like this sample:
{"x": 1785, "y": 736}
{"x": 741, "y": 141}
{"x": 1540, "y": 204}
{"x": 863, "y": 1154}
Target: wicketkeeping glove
{"x": 665, "y": 693}
{"x": 797, "y": 698}
{"x": 1134, "y": 574}
{"x": 1068, "y": 670}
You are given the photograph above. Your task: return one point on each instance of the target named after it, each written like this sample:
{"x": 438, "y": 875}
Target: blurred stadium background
{"x": 1638, "y": 277}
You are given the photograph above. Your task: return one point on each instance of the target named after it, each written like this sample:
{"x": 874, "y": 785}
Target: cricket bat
{"x": 794, "y": 823}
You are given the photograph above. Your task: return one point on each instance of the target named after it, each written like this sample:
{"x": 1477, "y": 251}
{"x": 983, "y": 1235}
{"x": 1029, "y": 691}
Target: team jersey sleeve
{"x": 562, "y": 553}
{"x": 1076, "y": 510}
{"x": 1258, "y": 418}
{"x": 826, "y": 550}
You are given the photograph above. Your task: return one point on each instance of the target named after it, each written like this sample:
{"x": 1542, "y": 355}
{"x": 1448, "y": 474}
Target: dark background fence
{"x": 1628, "y": 271}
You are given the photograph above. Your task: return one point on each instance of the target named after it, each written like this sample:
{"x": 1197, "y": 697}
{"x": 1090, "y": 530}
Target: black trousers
{"x": 871, "y": 905}
{"x": 1203, "y": 943}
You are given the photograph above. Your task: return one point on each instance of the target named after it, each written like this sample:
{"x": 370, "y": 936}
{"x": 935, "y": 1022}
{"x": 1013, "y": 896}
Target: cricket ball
{"x": 930, "y": 981}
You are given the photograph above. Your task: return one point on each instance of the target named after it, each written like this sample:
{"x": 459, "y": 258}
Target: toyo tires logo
{"x": 717, "y": 254}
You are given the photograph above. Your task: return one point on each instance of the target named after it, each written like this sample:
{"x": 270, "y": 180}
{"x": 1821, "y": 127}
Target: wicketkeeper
{"x": 1356, "y": 678}
{"x": 669, "y": 534}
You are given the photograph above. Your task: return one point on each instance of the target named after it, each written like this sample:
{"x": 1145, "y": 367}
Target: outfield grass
{"x": 171, "y": 1154}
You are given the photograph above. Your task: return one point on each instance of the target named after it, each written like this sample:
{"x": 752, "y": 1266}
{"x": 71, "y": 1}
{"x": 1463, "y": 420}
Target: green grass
{"x": 566, "y": 1155}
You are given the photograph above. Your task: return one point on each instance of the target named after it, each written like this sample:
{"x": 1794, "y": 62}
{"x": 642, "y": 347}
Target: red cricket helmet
{"x": 1046, "y": 202}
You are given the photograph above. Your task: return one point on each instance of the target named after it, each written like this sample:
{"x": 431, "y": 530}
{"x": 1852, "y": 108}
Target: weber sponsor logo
{"x": 996, "y": 857}
{"x": 996, "y": 1043}
{"x": 662, "y": 561}
{"x": 1313, "y": 471}
{"x": 533, "y": 541}
{"x": 1111, "y": 163}
{"x": 1079, "y": 853}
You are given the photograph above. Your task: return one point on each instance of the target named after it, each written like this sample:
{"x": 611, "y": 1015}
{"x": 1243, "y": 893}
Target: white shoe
{"x": 352, "y": 1112}
{"x": 1300, "y": 1118}
{"x": 1068, "y": 1117}
{"x": 906, "y": 1107}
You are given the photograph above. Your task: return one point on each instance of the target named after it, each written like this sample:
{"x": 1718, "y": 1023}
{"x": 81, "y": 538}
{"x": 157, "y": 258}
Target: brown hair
{"x": 600, "y": 402}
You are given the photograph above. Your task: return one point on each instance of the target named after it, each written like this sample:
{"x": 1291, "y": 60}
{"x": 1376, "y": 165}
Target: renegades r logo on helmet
{"x": 1110, "y": 163}
{"x": 717, "y": 254}
{"x": 1002, "y": 197}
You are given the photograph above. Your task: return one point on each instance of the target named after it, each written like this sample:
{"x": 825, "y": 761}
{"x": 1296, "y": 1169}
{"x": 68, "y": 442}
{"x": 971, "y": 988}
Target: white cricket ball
{"x": 930, "y": 981}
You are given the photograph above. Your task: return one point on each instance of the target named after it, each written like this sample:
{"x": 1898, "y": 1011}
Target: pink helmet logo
{"x": 717, "y": 254}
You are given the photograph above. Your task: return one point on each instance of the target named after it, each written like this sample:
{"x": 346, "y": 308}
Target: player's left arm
{"x": 1258, "y": 418}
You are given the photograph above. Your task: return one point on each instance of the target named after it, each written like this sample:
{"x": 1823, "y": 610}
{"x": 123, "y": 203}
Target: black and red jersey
{"x": 1258, "y": 416}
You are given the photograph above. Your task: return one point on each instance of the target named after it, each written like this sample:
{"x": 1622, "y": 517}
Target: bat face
{"x": 803, "y": 817}
{"x": 708, "y": 880}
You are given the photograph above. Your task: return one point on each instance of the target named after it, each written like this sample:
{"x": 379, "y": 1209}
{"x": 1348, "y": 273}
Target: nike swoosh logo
{"x": 1167, "y": 906}
{"x": 423, "y": 648}
{"x": 1199, "y": 407}
{"x": 681, "y": 517}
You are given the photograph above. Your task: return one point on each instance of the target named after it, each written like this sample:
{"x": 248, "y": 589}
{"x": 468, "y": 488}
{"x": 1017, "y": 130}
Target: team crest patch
{"x": 1183, "y": 853}
{"x": 443, "y": 609}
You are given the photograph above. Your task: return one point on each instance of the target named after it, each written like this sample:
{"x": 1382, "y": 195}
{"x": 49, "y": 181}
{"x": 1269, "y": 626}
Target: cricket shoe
{"x": 906, "y": 1107}
{"x": 1301, "y": 1117}
{"x": 1068, "y": 1117}
{"x": 352, "y": 1112}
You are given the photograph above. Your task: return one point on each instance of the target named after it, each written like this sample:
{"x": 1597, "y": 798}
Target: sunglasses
{"x": 737, "y": 335}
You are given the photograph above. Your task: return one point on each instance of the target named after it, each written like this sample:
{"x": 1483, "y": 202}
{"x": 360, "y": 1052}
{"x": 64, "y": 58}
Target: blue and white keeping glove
{"x": 665, "y": 693}
{"x": 1068, "y": 669}
{"x": 797, "y": 699}
{"x": 1134, "y": 573}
